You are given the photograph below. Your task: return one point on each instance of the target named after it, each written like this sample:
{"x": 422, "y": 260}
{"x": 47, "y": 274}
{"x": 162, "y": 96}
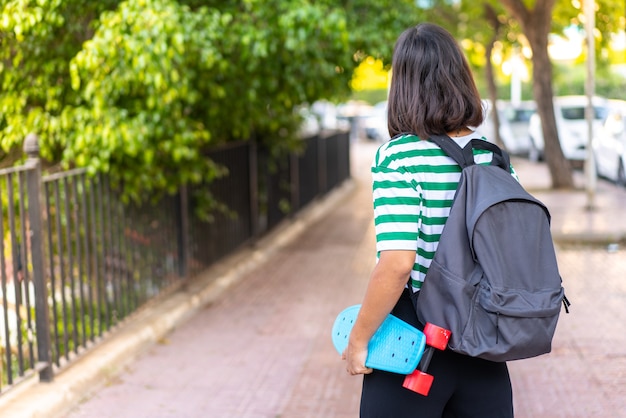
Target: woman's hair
{"x": 432, "y": 89}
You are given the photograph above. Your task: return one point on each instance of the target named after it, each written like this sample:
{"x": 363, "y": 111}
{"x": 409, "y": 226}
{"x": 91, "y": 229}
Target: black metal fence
{"x": 75, "y": 261}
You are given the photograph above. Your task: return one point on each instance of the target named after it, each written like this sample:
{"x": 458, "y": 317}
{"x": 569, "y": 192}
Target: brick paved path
{"x": 585, "y": 375}
{"x": 264, "y": 350}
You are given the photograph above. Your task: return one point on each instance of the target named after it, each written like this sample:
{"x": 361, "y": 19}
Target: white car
{"x": 518, "y": 118}
{"x": 609, "y": 148}
{"x": 329, "y": 118}
{"x": 514, "y": 120}
{"x": 571, "y": 124}
{"x": 310, "y": 124}
{"x": 375, "y": 123}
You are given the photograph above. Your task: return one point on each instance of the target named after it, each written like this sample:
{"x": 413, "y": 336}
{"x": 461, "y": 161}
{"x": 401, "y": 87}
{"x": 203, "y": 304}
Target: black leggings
{"x": 463, "y": 387}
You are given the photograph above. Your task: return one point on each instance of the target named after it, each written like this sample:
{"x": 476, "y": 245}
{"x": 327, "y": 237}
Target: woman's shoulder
{"x": 402, "y": 146}
{"x": 406, "y": 150}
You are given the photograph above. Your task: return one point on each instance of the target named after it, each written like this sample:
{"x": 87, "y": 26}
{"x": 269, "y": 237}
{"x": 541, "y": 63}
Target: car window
{"x": 523, "y": 115}
{"x": 600, "y": 112}
{"x": 578, "y": 112}
{"x": 518, "y": 115}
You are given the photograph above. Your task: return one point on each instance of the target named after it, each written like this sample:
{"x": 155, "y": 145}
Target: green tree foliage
{"x": 37, "y": 41}
{"x": 375, "y": 25}
{"x": 141, "y": 89}
{"x": 142, "y": 80}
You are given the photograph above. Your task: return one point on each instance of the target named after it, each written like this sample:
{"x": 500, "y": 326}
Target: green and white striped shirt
{"x": 414, "y": 183}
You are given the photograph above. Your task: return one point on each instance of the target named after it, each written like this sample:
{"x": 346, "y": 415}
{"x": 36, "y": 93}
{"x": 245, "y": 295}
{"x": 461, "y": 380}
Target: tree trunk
{"x": 559, "y": 166}
{"x": 493, "y": 97}
{"x": 536, "y": 25}
{"x": 492, "y": 18}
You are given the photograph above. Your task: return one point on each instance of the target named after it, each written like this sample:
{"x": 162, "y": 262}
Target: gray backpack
{"x": 494, "y": 281}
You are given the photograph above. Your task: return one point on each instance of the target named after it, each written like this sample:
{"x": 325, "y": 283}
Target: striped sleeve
{"x": 397, "y": 205}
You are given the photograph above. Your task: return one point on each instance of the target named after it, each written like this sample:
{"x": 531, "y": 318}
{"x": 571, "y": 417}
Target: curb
{"x": 81, "y": 378}
{"x": 589, "y": 238}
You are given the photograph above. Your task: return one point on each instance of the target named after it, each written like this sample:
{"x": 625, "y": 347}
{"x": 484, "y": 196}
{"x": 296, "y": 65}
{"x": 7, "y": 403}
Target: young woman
{"x": 432, "y": 92}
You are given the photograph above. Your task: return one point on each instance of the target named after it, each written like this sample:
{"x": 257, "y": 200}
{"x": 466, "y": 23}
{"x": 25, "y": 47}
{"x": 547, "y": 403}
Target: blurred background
{"x": 143, "y": 141}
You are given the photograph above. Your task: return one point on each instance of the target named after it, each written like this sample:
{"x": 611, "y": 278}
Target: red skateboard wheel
{"x": 436, "y": 336}
{"x": 418, "y": 382}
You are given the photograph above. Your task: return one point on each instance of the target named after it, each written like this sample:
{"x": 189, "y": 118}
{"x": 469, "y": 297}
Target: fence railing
{"x": 75, "y": 261}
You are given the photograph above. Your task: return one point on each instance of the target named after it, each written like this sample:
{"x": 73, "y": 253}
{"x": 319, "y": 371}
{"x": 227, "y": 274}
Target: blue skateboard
{"x": 396, "y": 347}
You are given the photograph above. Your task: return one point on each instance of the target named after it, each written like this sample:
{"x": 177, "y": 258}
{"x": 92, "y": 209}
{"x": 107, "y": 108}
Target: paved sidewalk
{"x": 258, "y": 342}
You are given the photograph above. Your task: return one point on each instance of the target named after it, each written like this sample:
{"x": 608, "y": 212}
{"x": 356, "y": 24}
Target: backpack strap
{"x": 500, "y": 157}
{"x": 465, "y": 156}
{"x": 453, "y": 150}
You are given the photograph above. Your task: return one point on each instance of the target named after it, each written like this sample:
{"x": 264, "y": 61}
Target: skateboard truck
{"x": 419, "y": 381}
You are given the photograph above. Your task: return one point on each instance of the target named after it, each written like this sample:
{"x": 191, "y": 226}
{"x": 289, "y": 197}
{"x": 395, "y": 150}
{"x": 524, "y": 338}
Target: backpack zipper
{"x": 566, "y": 304}
{"x": 497, "y": 327}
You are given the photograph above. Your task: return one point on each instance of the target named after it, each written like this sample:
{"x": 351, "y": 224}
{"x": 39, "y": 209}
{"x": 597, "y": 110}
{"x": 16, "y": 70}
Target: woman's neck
{"x": 460, "y": 132}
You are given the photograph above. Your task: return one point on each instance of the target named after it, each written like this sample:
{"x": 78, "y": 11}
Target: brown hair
{"x": 432, "y": 89}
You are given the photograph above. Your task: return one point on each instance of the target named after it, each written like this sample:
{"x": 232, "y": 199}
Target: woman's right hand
{"x": 355, "y": 356}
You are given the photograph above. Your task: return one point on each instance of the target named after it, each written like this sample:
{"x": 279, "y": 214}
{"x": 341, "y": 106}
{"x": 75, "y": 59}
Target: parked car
{"x": 329, "y": 117}
{"x": 375, "y": 123}
{"x": 514, "y": 121}
{"x": 310, "y": 124}
{"x": 609, "y": 147}
{"x": 354, "y": 112}
{"x": 571, "y": 124}
{"x": 518, "y": 118}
